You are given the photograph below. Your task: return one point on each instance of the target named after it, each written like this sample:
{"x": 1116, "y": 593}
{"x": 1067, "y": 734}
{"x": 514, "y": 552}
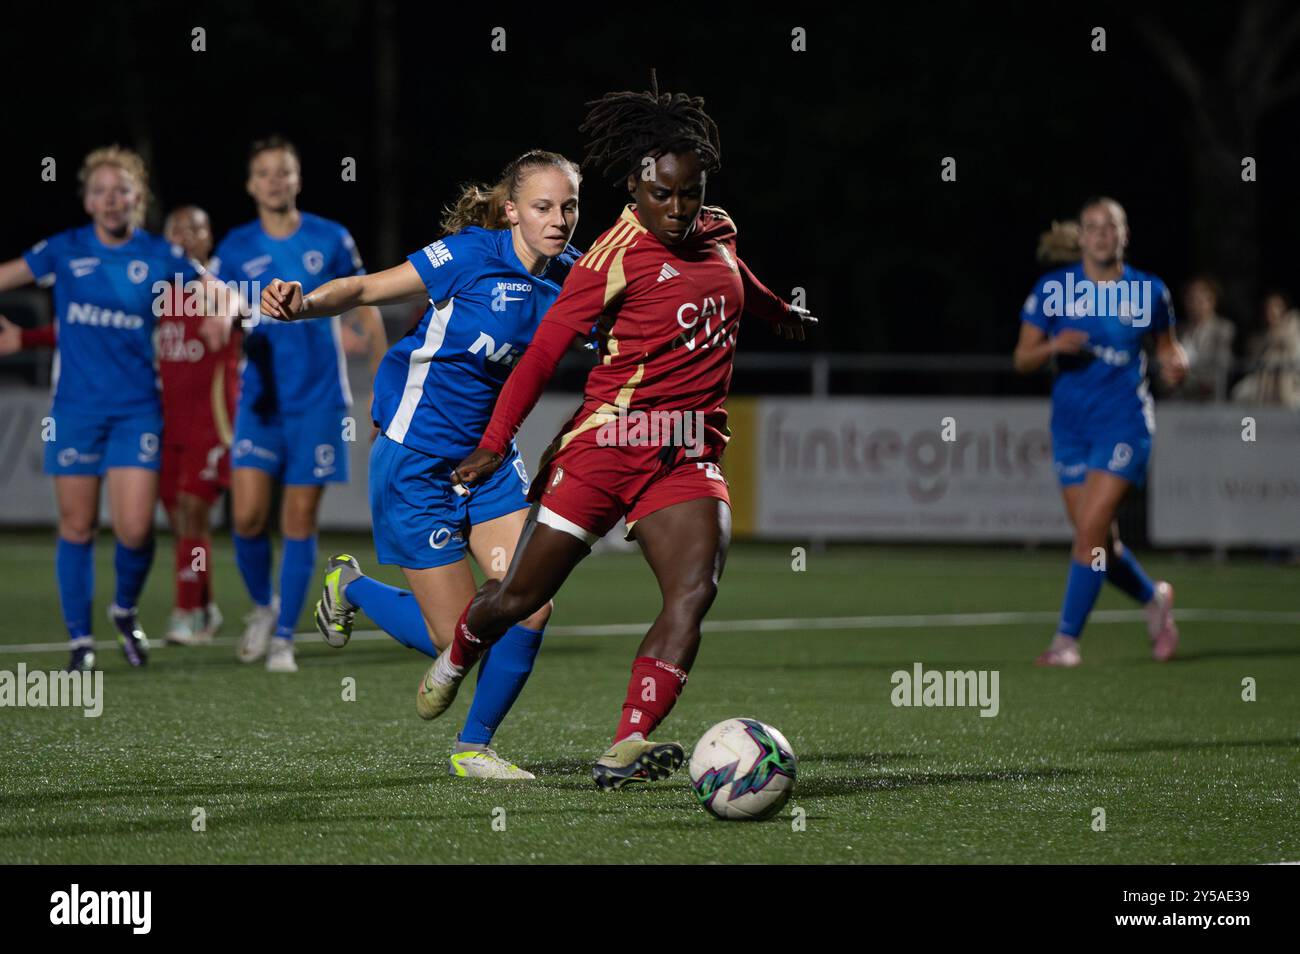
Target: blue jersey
{"x": 104, "y": 300}
{"x": 1103, "y": 387}
{"x": 436, "y": 387}
{"x": 290, "y": 365}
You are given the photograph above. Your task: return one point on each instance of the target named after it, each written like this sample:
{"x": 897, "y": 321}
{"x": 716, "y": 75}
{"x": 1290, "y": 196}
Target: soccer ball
{"x": 742, "y": 770}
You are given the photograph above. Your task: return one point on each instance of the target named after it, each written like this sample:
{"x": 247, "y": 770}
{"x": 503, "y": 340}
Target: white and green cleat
{"x": 438, "y": 688}
{"x": 334, "y": 614}
{"x": 485, "y": 763}
{"x": 637, "y": 760}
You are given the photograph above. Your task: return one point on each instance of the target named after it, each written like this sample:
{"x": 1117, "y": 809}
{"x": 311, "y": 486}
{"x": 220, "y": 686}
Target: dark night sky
{"x": 830, "y": 158}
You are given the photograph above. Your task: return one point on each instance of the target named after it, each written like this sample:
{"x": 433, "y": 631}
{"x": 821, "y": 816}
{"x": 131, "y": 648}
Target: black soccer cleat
{"x": 134, "y": 643}
{"x": 81, "y": 660}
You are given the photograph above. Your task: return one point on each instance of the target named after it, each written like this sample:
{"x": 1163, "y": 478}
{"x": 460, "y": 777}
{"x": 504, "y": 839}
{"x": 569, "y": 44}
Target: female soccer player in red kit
{"x": 668, "y": 289}
{"x": 200, "y": 388}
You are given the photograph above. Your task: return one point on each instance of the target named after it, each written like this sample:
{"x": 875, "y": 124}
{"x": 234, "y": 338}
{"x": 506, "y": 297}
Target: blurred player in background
{"x": 106, "y": 419}
{"x": 200, "y": 385}
{"x": 291, "y": 425}
{"x": 669, "y": 289}
{"x": 1092, "y": 318}
{"x": 498, "y": 266}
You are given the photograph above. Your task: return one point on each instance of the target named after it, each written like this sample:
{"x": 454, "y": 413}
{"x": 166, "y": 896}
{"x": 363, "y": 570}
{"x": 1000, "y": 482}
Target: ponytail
{"x": 485, "y": 206}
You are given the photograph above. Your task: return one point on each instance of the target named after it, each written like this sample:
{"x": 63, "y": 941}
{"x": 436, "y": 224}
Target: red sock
{"x": 651, "y": 694}
{"x": 465, "y": 648}
{"x": 190, "y": 582}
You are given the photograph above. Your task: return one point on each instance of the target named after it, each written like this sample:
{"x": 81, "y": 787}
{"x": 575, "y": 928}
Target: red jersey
{"x": 668, "y": 316}
{"x": 200, "y": 387}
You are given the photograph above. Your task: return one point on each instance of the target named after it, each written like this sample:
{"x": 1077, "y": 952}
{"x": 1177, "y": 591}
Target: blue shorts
{"x": 81, "y": 443}
{"x": 418, "y": 520}
{"x": 299, "y": 448}
{"x": 1123, "y": 453}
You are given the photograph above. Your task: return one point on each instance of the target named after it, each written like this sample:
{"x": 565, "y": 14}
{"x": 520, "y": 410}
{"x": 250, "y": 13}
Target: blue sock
{"x": 394, "y": 611}
{"x": 1123, "y": 570}
{"x": 297, "y": 567}
{"x": 1081, "y": 589}
{"x": 501, "y": 677}
{"x": 132, "y": 567}
{"x": 253, "y": 557}
{"x": 74, "y": 568}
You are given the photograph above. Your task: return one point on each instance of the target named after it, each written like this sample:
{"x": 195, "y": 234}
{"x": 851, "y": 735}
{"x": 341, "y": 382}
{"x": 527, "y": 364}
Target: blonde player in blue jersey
{"x": 105, "y": 423}
{"x": 1091, "y": 319}
{"x": 292, "y": 423}
{"x": 499, "y": 265}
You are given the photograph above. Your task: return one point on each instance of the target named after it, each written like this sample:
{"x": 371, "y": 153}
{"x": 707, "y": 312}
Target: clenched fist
{"x": 283, "y": 300}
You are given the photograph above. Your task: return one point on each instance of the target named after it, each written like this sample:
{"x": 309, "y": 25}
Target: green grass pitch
{"x": 285, "y": 770}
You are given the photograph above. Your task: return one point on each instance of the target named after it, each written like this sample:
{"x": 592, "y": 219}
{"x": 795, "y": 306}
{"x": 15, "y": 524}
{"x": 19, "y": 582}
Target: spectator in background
{"x": 1207, "y": 338}
{"x": 1274, "y": 357}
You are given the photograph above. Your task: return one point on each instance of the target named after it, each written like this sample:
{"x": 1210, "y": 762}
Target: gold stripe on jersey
{"x": 595, "y": 256}
{"x": 624, "y": 399}
{"x": 620, "y": 236}
{"x": 616, "y": 282}
{"x": 609, "y": 251}
{"x": 624, "y": 233}
{"x": 721, "y": 213}
{"x": 606, "y": 413}
{"x": 594, "y": 419}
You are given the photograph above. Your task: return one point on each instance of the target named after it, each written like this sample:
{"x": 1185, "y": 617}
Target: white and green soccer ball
{"x": 743, "y": 770}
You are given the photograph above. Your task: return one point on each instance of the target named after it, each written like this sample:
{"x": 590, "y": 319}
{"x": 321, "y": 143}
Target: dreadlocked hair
{"x": 485, "y": 206}
{"x": 626, "y": 127}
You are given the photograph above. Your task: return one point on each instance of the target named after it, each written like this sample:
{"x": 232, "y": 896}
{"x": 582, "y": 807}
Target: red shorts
{"x": 591, "y": 487}
{"x": 200, "y": 467}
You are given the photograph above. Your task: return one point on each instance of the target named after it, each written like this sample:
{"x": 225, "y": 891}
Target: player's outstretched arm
{"x": 15, "y": 273}
{"x": 789, "y": 321}
{"x": 519, "y": 396}
{"x": 11, "y": 337}
{"x": 286, "y": 302}
{"x": 1035, "y": 349}
{"x": 586, "y": 294}
{"x": 14, "y": 338}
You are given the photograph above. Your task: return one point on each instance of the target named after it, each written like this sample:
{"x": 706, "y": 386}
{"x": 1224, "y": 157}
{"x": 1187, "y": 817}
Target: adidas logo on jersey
{"x": 666, "y": 273}
{"x": 81, "y": 267}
